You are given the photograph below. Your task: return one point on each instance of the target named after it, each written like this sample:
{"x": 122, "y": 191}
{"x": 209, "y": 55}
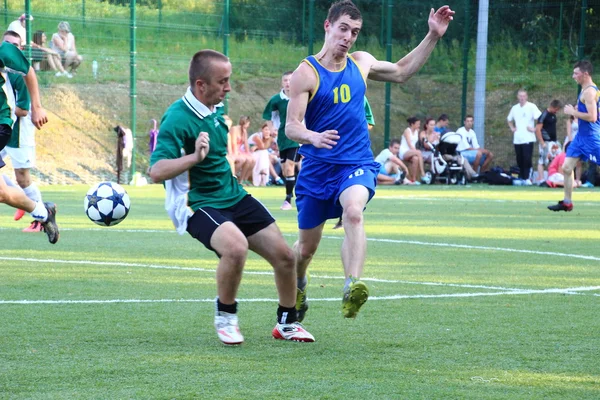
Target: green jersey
{"x": 369, "y": 113}
{"x": 276, "y": 111}
{"x": 22, "y": 98}
{"x": 211, "y": 183}
{"x": 11, "y": 60}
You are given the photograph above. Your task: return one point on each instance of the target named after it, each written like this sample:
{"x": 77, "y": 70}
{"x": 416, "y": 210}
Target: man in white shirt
{"x": 469, "y": 147}
{"x": 522, "y": 120}
{"x": 18, "y": 26}
{"x": 391, "y": 166}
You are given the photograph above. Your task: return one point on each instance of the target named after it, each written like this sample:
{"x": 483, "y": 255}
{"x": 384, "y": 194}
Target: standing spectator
{"x": 441, "y": 126}
{"x": 545, "y": 130}
{"x": 521, "y": 120}
{"x": 63, "y": 42}
{"x": 469, "y": 147}
{"x": 18, "y": 26}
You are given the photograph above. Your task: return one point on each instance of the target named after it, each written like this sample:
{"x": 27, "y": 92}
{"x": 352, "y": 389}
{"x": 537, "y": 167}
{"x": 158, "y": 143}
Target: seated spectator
{"x": 18, "y": 26}
{"x": 441, "y": 126}
{"x": 260, "y": 142}
{"x": 63, "y": 42}
{"x": 408, "y": 151}
{"x": 469, "y": 147}
{"x": 428, "y": 139}
{"x": 45, "y": 58}
{"x": 244, "y": 162}
{"x": 556, "y": 177}
{"x": 393, "y": 171}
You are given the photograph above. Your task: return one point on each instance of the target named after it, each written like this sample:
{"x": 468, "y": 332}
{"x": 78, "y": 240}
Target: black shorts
{"x": 249, "y": 215}
{"x": 290, "y": 154}
{"x": 5, "y": 132}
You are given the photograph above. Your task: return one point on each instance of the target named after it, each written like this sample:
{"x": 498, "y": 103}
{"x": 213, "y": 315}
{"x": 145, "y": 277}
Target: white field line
{"x": 470, "y": 200}
{"x": 328, "y": 299}
{"x": 174, "y": 267}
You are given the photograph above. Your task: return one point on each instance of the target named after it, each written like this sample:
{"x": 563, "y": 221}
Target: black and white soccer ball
{"x": 106, "y": 203}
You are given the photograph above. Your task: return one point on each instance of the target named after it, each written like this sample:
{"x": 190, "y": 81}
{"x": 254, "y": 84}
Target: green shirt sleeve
{"x": 267, "y": 113}
{"x": 22, "y": 94}
{"x": 13, "y": 59}
{"x": 369, "y": 113}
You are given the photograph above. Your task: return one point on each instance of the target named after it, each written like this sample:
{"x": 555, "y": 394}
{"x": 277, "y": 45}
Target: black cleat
{"x": 561, "y": 206}
{"x": 50, "y": 226}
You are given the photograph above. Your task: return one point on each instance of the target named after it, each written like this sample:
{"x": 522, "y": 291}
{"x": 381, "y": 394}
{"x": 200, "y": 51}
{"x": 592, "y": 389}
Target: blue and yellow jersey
{"x": 338, "y": 103}
{"x": 589, "y": 128}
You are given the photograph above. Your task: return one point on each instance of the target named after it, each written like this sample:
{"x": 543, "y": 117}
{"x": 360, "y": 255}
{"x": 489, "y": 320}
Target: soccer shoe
{"x": 227, "y": 328}
{"x": 301, "y": 303}
{"x": 286, "y": 206}
{"x": 561, "y": 206}
{"x": 354, "y": 297}
{"x": 19, "y": 214}
{"x": 50, "y": 226}
{"x": 294, "y": 332}
{"x": 588, "y": 184}
{"x": 36, "y": 226}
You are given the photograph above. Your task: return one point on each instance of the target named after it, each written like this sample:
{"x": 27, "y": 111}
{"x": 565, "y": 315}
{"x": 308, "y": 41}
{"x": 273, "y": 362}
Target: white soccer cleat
{"x": 294, "y": 332}
{"x": 227, "y": 328}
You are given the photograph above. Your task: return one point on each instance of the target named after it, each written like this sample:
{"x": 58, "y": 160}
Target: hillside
{"x": 78, "y": 145}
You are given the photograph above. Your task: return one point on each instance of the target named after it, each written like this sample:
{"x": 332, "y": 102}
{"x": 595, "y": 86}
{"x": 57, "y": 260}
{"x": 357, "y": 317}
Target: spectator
{"x": 545, "y": 130}
{"x": 441, "y": 126}
{"x": 572, "y": 129}
{"x": 46, "y": 58}
{"x": 428, "y": 138}
{"x": 391, "y": 166}
{"x": 469, "y": 147}
{"x": 408, "y": 151}
{"x": 63, "y": 42}
{"x": 556, "y": 176}
{"x": 260, "y": 142}
{"x": 18, "y": 26}
{"x": 521, "y": 121}
{"x": 244, "y": 162}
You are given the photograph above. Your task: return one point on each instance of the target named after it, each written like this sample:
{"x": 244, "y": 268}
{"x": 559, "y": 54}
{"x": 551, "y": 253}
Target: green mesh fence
{"x": 531, "y": 44}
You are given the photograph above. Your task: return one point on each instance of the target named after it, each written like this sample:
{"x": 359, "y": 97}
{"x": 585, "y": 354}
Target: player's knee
{"x": 286, "y": 258}
{"x": 305, "y": 250}
{"x": 567, "y": 169}
{"x": 353, "y": 214}
{"x": 237, "y": 251}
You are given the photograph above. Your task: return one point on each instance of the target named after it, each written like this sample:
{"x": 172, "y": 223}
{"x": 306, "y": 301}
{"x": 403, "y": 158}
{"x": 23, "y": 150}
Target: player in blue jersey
{"x": 586, "y": 145}
{"x": 339, "y": 175}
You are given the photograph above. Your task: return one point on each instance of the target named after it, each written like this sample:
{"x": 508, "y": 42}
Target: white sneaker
{"x": 68, "y": 75}
{"x": 227, "y": 328}
{"x": 58, "y": 74}
{"x": 527, "y": 182}
{"x": 294, "y": 332}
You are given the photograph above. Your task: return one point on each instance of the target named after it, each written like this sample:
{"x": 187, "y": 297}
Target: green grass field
{"x": 477, "y": 293}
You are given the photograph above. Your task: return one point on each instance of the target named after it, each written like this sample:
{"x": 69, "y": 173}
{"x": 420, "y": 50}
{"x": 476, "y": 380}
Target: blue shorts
{"x": 585, "y": 147}
{"x": 320, "y": 185}
{"x": 383, "y": 171}
{"x": 471, "y": 155}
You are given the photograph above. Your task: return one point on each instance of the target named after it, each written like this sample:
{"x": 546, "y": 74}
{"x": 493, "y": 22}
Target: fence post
{"x": 28, "y": 29}
{"x": 311, "y": 26}
{"x": 83, "y": 13}
{"x": 466, "y": 47}
{"x": 133, "y": 83}
{"x": 388, "y": 85}
{"x": 303, "y": 41}
{"x": 560, "y": 27}
{"x": 6, "y": 12}
{"x": 159, "y": 12}
{"x": 226, "y": 45}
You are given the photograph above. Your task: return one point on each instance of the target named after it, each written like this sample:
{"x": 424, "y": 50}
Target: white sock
{"x": 33, "y": 192}
{"x": 40, "y": 213}
{"x": 8, "y": 181}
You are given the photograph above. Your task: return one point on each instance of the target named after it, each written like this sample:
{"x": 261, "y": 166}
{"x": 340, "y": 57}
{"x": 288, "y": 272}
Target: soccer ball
{"x": 106, "y": 203}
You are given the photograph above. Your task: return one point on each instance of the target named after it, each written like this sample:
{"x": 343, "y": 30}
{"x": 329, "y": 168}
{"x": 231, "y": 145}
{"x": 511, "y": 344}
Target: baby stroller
{"x": 447, "y": 164}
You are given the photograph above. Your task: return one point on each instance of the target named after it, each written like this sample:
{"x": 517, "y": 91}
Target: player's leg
{"x": 288, "y": 167}
{"x": 488, "y": 158}
{"x": 214, "y": 229}
{"x": 541, "y": 163}
{"x": 304, "y": 250}
{"x": 270, "y": 244}
{"x": 31, "y": 191}
{"x": 566, "y": 204}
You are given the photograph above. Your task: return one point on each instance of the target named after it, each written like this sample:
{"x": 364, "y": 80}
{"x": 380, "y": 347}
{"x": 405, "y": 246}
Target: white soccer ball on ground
{"x": 106, "y": 203}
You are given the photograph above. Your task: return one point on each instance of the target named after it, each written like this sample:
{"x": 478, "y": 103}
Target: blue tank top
{"x": 338, "y": 103}
{"x": 589, "y": 128}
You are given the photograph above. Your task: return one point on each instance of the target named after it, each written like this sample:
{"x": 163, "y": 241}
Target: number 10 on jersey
{"x": 341, "y": 93}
